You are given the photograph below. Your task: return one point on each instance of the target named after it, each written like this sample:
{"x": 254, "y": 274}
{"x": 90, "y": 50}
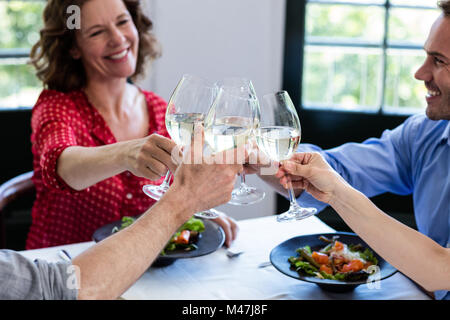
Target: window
{"x": 20, "y": 22}
{"x": 360, "y": 55}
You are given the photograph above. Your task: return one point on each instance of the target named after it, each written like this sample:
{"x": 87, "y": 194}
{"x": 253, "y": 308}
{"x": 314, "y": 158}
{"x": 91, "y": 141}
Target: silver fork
{"x": 65, "y": 255}
{"x": 265, "y": 264}
{"x": 234, "y": 253}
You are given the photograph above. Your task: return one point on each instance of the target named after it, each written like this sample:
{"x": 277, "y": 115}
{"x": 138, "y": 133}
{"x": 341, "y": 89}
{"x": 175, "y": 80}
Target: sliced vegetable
{"x": 325, "y": 239}
{"x": 193, "y": 224}
{"x": 320, "y": 258}
{"x": 353, "y": 266}
{"x": 368, "y": 256}
{"x": 183, "y": 238}
{"x": 306, "y": 267}
{"x": 305, "y": 254}
{"x": 338, "y": 246}
{"x": 327, "y": 248}
{"x": 326, "y": 269}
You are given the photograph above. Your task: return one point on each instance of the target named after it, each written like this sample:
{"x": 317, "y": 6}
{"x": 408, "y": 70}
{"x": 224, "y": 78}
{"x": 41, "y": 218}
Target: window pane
{"x": 342, "y": 78}
{"x": 410, "y": 25}
{"x": 424, "y": 3}
{"x": 20, "y": 22}
{"x": 337, "y": 22}
{"x": 404, "y": 94}
{"x": 19, "y": 86}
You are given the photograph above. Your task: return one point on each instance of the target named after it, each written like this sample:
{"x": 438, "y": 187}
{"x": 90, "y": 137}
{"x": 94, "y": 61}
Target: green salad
{"x": 185, "y": 238}
{"x": 335, "y": 261}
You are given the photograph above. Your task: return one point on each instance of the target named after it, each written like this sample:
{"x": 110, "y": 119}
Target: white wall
{"x": 215, "y": 39}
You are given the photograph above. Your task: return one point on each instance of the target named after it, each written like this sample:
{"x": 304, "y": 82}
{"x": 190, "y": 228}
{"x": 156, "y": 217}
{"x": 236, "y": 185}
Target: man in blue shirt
{"x": 414, "y": 158}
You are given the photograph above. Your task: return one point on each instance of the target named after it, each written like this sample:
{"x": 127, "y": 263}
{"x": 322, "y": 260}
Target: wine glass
{"x": 278, "y": 137}
{"x": 244, "y": 194}
{"x": 229, "y": 124}
{"x": 188, "y": 104}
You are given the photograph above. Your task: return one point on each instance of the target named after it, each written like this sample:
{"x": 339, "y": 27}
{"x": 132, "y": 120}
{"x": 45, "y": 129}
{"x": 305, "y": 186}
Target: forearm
{"x": 82, "y": 167}
{"x": 113, "y": 265}
{"x": 411, "y": 252}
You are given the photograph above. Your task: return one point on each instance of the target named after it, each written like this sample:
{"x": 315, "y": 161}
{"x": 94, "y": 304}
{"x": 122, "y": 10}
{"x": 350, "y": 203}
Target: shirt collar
{"x": 446, "y": 133}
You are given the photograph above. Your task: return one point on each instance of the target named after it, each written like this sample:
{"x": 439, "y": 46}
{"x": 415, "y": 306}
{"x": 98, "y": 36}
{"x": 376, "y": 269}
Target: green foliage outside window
{"x": 344, "y": 66}
{"x": 20, "y": 22}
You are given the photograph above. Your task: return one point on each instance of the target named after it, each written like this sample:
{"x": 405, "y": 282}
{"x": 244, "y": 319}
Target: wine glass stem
{"x": 243, "y": 185}
{"x": 292, "y": 198}
{"x": 166, "y": 181}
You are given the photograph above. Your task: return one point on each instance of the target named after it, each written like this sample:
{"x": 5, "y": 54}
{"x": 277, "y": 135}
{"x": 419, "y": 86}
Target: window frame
{"x": 296, "y": 41}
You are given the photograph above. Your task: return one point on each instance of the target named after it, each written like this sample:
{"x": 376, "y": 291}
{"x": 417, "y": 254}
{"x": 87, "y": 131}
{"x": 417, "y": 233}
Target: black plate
{"x": 210, "y": 240}
{"x": 280, "y": 254}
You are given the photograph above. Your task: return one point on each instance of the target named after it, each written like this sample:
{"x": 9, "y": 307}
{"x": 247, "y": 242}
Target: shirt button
{"x": 128, "y": 174}
{"x": 129, "y": 196}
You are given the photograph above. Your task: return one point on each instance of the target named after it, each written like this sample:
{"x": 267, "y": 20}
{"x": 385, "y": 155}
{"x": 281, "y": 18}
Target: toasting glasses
{"x": 187, "y": 107}
{"x": 229, "y": 123}
{"x": 278, "y": 137}
{"x": 244, "y": 89}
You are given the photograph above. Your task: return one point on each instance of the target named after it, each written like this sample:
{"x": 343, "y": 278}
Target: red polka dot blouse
{"x": 62, "y": 215}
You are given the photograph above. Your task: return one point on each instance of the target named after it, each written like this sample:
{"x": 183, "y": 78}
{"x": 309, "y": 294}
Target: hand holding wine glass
{"x": 187, "y": 107}
{"x": 278, "y": 137}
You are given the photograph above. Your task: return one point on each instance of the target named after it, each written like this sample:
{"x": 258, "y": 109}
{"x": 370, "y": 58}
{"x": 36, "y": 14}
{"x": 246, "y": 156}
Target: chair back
{"x": 15, "y": 192}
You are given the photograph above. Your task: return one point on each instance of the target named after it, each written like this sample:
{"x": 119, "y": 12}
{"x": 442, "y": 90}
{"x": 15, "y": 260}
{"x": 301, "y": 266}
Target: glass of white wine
{"x": 229, "y": 124}
{"x": 187, "y": 107}
{"x": 278, "y": 137}
{"x": 244, "y": 194}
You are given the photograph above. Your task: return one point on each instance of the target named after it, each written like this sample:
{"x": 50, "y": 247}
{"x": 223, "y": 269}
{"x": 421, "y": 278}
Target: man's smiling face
{"x": 435, "y": 71}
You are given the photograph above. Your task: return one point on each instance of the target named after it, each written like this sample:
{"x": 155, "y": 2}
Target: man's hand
{"x": 206, "y": 185}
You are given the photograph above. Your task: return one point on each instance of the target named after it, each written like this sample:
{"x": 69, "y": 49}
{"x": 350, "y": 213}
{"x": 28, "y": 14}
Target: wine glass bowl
{"x": 244, "y": 89}
{"x": 278, "y": 136}
{"x": 188, "y": 104}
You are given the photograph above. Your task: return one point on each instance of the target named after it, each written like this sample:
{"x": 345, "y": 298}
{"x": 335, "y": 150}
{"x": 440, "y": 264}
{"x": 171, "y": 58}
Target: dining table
{"x": 247, "y": 276}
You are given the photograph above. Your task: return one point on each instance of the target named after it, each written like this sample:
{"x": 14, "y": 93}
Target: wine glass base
{"x": 297, "y": 213}
{"x": 154, "y": 192}
{"x": 246, "y": 195}
{"x": 208, "y": 214}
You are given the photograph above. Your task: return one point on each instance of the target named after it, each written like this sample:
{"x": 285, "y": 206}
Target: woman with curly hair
{"x": 96, "y": 138}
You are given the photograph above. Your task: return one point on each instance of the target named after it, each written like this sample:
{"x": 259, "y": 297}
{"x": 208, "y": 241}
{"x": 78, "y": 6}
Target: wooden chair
{"x": 16, "y": 192}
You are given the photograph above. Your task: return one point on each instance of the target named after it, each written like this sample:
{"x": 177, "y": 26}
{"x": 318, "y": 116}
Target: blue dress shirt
{"x": 414, "y": 158}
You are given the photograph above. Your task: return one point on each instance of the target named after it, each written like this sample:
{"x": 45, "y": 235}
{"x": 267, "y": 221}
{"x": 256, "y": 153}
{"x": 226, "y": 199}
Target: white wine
{"x": 279, "y": 143}
{"x": 181, "y": 126}
{"x": 228, "y": 133}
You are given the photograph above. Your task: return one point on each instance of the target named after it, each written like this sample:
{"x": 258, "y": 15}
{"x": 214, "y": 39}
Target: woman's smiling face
{"x": 108, "y": 40}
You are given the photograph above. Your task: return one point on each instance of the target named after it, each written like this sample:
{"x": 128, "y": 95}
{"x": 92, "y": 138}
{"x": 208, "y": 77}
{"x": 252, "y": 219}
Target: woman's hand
{"x": 309, "y": 171}
{"x": 229, "y": 226}
{"x": 150, "y": 157}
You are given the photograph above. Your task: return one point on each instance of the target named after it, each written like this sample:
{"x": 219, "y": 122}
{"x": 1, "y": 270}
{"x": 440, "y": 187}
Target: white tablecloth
{"x": 215, "y": 276}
